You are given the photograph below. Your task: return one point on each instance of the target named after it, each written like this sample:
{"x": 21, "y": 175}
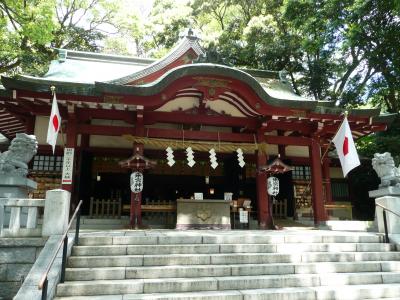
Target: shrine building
{"x": 113, "y": 107}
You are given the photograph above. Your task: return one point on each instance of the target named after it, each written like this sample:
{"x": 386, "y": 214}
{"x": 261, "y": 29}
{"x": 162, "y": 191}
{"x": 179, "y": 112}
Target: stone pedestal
{"x": 388, "y": 197}
{"x": 56, "y": 212}
{"x": 16, "y": 187}
{"x": 387, "y": 191}
{"x": 393, "y": 221}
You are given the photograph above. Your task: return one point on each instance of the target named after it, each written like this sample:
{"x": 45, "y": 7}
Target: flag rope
{"x": 195, "y": 145}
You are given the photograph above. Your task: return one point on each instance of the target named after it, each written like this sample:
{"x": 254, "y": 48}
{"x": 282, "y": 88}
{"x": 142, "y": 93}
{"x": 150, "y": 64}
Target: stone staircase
{"x": 245, "y": 265}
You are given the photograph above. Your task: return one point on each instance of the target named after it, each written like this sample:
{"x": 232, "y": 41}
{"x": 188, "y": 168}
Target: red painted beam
{"x": 185, "y": 118}
{"x": 105, "y": 130}
{"x": 191, "y": 135}
{"x": 332, "y": 129}
{"x": 85, "y": 114}
{"x": 313, "y": 115}
{"x": 199, "y": 135}
{"x": 287, "y": 140}
{"x": 304, "y": 127}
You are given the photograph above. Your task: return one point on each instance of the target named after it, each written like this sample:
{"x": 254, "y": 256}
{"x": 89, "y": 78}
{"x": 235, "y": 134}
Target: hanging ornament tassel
{"x": 190, "y": 157}
{"x": 213, "y": 158}
{"x": 240, "y": 157}
{"x": 170, "y": 156}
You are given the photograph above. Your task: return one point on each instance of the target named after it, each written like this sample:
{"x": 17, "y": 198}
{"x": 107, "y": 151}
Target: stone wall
{"x": 17, "y": 255}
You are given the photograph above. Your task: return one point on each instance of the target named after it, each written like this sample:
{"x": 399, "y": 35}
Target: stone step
{"x": 352, "y": 292}
{"x": 351, "y": 225}
{"x": 81, "y": 274}
{"x": 204, "y": 295}
{"x": 229, "y": 248}
{"x": 228, "y": 238}
{"x": 146, "y": 249}
{"x": 102, "y": 226}
{"x": 221, "y": 259}
{"x": 370, "y": 291}
{"x": 104, "y": 221}
{"x": 173, "y": 285}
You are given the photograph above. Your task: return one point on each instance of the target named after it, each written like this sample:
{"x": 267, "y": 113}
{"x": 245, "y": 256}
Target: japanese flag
{"x": 346, "y": 150}
{"x": 54, "y": 124}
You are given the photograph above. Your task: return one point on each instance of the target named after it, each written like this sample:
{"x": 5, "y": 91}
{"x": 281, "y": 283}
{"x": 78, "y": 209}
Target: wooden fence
{"x": 105, "y": 208}
{"x": 279, "y": 208}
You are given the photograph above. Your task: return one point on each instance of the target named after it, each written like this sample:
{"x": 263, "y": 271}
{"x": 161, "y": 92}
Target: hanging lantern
{"x": 136, "y": 182}
{"x": 273, "y": 186}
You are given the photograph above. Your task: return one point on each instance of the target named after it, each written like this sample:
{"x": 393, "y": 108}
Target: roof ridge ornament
{"x": 190, "y": 34}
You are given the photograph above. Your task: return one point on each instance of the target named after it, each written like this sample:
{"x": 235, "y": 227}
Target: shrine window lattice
{"x": 301, "y": 176}
{"x": 301, "y": 173}
{"x": 47, "y": 163}
{"x": 340, "y": 190}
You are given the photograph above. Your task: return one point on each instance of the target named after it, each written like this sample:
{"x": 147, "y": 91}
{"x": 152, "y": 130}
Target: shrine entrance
{"x": 164, "y": 184}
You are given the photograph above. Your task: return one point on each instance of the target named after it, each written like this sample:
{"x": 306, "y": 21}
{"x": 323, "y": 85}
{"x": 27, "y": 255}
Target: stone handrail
{"x": 14, "y": 225}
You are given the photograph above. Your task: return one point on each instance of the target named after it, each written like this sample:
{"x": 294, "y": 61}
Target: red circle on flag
{"x": 55, "y": 123}
{"x": 345, "y": 146}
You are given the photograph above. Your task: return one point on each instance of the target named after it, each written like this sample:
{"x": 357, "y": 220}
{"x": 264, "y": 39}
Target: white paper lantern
{"x": 273, "y": 186}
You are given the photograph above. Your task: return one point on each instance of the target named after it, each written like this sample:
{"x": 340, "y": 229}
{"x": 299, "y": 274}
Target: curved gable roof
{"x": 188, "y": 43}
{"x": 276, "y": 94}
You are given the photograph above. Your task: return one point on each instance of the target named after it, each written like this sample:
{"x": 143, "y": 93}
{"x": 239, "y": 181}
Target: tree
{"x": 375, "y": 28}
{"x": 25, "y": 28}
{"x": 327, "y": 47}
{"x": 30, "y": 29}
{"x": 166, "y": 24}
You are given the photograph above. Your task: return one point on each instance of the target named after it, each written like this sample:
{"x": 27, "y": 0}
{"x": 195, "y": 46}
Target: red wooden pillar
{"x": 316, "y": 182}
{"x": 264, "y": 215}
{"x": 30, "y": 125}
{"x": 327, "y": 180}
{"x": 136, "y": 199}
{"x": 85, "y": 138}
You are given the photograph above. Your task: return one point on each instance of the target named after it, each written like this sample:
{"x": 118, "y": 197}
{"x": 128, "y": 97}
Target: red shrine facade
{"x": 115, "y": 106}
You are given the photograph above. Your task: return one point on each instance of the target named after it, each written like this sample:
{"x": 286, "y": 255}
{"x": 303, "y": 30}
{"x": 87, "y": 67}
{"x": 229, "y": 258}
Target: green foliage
{"x": 340, "y": 50}
{"x": 29, "y": 30}
{"x": 388, "y": 141}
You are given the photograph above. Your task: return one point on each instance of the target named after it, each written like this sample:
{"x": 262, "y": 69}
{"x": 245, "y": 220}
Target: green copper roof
{"x": 85, "y": 67}
{"x": 43, "y": 85}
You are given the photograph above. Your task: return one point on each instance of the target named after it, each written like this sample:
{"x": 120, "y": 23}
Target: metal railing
{"x": 63, "y": 242}
{"x": 384, "y": 209}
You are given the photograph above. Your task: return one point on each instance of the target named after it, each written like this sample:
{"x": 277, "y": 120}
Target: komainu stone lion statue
{"x": 15, "y": 160}
{"x": 384, "y": 166}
